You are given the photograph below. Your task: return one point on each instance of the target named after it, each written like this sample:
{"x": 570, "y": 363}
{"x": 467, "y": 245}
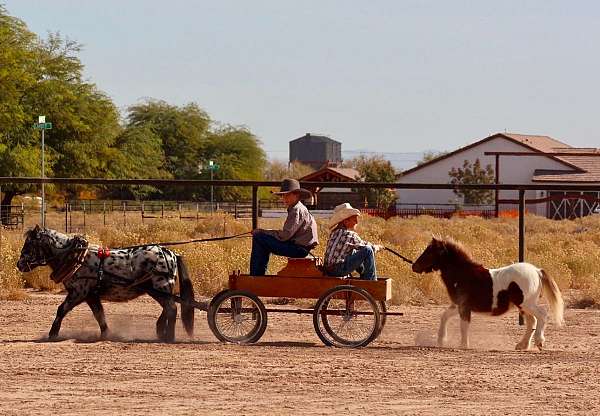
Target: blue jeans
{"x": 262, "y": 247}
{"x": 362, "y": 260}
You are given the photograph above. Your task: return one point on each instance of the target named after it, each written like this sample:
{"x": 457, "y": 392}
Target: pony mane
{"x": 457, "y": 250}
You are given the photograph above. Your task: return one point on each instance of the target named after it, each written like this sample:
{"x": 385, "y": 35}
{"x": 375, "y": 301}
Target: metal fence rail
{"x": 521, "y": 188}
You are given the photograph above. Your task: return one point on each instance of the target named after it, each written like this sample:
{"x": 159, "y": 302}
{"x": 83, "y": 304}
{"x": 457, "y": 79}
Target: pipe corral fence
{"x": 254, "y": 185}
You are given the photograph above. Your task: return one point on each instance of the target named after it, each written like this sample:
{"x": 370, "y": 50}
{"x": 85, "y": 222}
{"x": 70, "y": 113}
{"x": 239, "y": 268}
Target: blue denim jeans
{"x": 262, "y": 247}
{"x": 362, "y": 260}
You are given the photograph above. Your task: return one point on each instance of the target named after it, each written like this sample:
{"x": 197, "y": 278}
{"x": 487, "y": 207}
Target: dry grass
{"x": 568, "y": 250}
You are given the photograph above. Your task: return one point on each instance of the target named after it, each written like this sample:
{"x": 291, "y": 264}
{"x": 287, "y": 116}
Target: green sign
{"x": 42, "y": 126}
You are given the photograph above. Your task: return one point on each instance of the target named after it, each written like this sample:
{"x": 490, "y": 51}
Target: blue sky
{"x": 387, "y": 76}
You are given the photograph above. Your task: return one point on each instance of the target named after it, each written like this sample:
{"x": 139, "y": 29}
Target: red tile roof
{"x": 588, "y": 167}
{"x": 537, "y": 143}
{"x": 345, "y": 174}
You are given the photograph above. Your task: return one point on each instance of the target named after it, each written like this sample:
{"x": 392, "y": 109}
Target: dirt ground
{"x": 289, "y": 371}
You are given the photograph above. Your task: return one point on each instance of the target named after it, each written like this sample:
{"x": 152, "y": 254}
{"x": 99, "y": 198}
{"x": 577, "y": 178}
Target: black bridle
{"x": 42, "y": 252}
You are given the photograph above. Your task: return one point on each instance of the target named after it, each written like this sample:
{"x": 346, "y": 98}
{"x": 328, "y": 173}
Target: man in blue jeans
{"x": 346, "y": 251}
{"x": 299, "y": 234}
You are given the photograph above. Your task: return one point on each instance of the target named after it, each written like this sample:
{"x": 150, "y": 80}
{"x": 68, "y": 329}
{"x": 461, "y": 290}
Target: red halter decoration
{"x": 103, "y": 253}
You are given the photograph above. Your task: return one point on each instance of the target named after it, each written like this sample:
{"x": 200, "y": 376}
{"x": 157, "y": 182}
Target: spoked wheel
{"x": 237, "y": 316}
{"x": 347, "y": 316}
{"x": 383, "y": 313}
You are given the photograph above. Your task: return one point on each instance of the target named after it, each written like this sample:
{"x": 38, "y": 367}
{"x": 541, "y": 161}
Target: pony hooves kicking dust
{"x": 91, "y": 273}
{"x": 473, "y": 288}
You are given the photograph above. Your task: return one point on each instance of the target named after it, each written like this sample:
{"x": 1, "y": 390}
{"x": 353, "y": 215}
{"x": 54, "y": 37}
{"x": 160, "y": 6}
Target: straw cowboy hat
{"x": 340, "y": 213}
{"x": 292, "y": 185}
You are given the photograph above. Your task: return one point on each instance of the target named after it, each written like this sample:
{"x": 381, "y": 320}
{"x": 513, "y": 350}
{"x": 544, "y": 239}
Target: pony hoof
{"x": 540, "y": 345}
{"x": 521, "y": 346}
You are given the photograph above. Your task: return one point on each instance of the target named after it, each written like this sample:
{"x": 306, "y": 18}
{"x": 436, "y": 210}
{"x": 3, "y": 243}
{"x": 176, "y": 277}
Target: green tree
{"x": 276, "y": 170}
{"x": 45, "y": 77}
{"x": 473, "y": 173}
{"x": 182, "y": 130}
{"x": 140, "y": 155}
{"x": 190, "y": 140}
{"x": 239, "y": 156}
{"x": 430, "y": 155}
{"x": 375, "y": 169}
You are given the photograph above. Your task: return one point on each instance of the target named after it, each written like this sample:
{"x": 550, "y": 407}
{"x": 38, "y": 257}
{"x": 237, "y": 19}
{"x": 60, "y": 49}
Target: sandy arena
{"x": 289, "y": 371}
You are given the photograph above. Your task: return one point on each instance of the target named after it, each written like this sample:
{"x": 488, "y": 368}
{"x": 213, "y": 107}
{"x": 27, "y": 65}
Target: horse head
{"x": 430, "y": 259}
{"x": 41, "y": 246}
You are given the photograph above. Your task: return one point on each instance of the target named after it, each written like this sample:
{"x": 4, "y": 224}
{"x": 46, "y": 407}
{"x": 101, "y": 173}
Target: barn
{"x": 328, "y": 198}
{"x": 583, "y": 166}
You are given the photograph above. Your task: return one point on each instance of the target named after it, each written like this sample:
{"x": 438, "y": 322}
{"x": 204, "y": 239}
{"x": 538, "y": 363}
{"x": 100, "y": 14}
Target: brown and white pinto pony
{"x": 473, "y": 288}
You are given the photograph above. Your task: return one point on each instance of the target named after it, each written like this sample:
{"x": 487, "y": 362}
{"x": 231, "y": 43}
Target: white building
{"x": 512, "y": 170}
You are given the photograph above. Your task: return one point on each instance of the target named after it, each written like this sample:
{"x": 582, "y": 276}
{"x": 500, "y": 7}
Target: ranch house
{"x": 581, "y": 167}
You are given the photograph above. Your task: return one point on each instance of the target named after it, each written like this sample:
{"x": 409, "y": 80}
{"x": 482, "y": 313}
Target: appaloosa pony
{"x": 91, "y": 273}
{"x": 473, "y": 288}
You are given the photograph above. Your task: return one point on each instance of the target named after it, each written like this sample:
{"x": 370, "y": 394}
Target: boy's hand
{"x": 256, "y": 231}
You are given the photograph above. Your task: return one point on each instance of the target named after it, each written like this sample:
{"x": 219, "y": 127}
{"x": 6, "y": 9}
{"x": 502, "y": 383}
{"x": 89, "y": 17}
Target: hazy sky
{"x": 388, "y": 76}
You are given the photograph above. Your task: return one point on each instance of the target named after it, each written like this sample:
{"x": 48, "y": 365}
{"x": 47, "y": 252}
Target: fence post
{"x": 84, "y": 216}
{"x": 142, "y": 212}
{"x": 162, "y": 210}
{"x": 521, "y": 236}
{"x": 66, "y": 217}
{"x": 124, "y": 211}
{"x": 254, "y": 207}
{"x": 521, "y": 225}
{"x": 104, "y": 213}
{"x": 70, "y": 218}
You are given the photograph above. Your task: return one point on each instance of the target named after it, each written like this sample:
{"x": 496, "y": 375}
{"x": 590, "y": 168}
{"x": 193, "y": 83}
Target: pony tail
{"x": 552, "y": 293}
{"x": 186, "y": 290}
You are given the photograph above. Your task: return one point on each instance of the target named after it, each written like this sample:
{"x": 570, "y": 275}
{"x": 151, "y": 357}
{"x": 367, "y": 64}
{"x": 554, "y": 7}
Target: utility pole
{"x": 43, "y": 126}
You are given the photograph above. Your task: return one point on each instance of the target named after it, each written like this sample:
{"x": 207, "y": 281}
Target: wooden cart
{"x": 349, "y": 312}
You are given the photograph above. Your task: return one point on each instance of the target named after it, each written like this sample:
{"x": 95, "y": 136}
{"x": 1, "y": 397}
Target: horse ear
{"x": 36, "y": 228}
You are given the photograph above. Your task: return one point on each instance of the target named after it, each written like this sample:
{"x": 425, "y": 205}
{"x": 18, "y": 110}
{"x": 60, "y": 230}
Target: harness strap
{"x": 71, "y": 262}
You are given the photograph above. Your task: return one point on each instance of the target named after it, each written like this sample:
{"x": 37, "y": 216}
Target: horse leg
{"x": 95, "y": 305}
{"x": 443, "y": 331}
{"x": 542, "y": 317}
{"x": 165, "y": 325}
{"x": 525, "y": 342}
{"x": 73, "y": 299}
{"x": 465, "y": 321}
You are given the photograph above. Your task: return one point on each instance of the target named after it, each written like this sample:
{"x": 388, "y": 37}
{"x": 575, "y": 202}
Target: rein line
{"x": 199, "y": 240}
{"x": 409, "y": 261}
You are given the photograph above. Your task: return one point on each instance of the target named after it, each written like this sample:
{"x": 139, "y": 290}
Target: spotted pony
{"x": 473, "y": 288}
{"x": 126, "y": 274}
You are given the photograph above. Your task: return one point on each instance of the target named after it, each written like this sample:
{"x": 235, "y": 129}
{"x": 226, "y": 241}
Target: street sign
{"x": 42, "y": 126}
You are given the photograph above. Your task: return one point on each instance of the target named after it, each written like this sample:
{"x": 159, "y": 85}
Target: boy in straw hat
{"x": 299, "y": 234}
{"x": 346, "y": 251}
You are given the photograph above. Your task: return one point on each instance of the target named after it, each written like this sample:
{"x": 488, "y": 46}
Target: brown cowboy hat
{"x": 292, "y": 185}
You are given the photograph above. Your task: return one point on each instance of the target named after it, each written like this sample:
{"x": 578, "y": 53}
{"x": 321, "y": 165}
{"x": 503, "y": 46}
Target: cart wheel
{"x": 383, "y": 314}
{"x": 347, "y": 316}
{"x": 216, "y": 297}
{"x": 237, "y": 316}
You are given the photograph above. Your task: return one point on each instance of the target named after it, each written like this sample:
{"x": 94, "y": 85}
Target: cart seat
{"x": 302, "y": 267}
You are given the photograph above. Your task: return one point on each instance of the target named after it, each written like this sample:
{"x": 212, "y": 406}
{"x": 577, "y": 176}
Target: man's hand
{"x": 378, "y": 247}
